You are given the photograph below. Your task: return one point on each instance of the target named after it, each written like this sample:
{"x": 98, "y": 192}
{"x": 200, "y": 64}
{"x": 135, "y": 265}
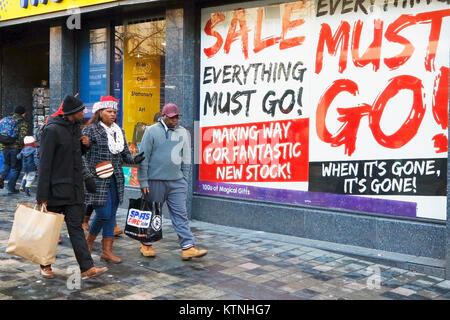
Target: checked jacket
{"x": 99, "y": 152}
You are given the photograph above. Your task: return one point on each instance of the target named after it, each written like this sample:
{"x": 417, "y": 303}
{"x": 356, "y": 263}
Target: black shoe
{"x": 15, "y": 191}
{"x": 2, "y": 185}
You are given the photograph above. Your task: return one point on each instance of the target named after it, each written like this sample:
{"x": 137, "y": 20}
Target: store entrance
{"x": 25, "y": 71}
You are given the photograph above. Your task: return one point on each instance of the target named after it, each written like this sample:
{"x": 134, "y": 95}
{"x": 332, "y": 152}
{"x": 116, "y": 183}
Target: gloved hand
{"x": 91, "y": 187}
{"x": 139, "y": 158}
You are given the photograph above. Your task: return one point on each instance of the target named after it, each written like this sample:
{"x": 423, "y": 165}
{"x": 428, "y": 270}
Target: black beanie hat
{"x": 71, "y": 105}
{"x": 19, "y": 110}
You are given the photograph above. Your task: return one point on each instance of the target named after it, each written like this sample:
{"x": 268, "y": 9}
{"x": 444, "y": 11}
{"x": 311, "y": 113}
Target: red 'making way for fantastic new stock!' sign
{"x": 272, "y": 151}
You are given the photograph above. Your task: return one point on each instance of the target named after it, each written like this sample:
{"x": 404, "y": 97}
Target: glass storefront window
{"x": 137, "y": 76}
{"x": 93, "y": 66}
{"x": 138, "y": 79}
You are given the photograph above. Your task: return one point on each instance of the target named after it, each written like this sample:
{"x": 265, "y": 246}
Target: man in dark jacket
{"x": 11, "y": 151}
{"x": 60, "y": 183}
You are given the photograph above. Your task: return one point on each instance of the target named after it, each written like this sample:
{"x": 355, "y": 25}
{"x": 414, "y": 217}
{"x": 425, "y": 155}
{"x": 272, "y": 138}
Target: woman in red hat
{"x": 103, "y": 161}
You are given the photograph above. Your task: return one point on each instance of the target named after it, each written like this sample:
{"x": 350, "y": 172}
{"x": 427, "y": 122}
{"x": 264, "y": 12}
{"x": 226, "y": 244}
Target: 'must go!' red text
{"x": 345, "y": 41}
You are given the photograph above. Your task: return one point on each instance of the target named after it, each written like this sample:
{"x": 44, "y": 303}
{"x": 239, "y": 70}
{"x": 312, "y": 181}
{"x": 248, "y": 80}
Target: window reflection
{"x": 138, "y": 82}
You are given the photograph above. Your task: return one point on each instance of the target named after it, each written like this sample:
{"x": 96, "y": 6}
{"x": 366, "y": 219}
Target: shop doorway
{"x": 25, "y": 67}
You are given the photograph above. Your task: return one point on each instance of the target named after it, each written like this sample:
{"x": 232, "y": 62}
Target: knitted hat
{"x": 19, "y": 109}
{"x": 28, "y": 140}
{"x": 71, "y": 105}
{"x": 105, "y": 103}
{"x": 171, "y": 110}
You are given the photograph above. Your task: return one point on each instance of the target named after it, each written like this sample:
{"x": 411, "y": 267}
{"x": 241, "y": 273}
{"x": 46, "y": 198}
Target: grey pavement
{"x": 240, "y": 264}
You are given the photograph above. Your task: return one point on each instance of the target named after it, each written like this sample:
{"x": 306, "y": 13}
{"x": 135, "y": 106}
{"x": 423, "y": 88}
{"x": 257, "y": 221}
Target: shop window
{"x": 138, "y": 78}
{"x": 93, "y": 66}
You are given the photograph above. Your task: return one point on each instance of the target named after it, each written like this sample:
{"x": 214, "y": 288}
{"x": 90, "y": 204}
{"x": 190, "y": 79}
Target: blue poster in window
{"x": 117, "y": 87}
{"x": 93, "y": 67}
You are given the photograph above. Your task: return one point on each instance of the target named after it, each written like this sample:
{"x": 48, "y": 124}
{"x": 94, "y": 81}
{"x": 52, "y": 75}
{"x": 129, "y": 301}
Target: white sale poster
{"x": 334, "y": 104}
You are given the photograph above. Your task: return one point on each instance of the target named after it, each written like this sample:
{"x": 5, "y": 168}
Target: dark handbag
{"x": 144, "y": 220}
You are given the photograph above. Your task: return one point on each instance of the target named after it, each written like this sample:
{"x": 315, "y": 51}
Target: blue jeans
{"x": 175, "y": 193}
{"x": 10, "y": 162}
{"x": 105, "y": 216}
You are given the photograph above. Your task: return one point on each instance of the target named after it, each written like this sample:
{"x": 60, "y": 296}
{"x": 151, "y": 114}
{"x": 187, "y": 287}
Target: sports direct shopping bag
{"x": 144, "y": 220}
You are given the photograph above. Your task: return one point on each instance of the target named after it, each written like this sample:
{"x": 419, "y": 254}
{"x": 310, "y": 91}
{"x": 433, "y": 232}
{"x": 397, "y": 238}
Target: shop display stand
{"x": 41, "y": 106}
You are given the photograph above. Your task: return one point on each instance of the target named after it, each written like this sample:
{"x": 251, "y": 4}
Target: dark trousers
{"x": 74, "y": 217}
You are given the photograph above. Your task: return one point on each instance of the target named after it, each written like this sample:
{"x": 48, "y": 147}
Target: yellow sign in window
{"x": 143, "y": 53}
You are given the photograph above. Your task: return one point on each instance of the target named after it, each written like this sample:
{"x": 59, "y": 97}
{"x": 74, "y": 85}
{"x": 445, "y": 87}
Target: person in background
{"x": 156, "y": 117}
{"x": 60, "y": 183}
{"x": 30, "y": 163}
{"x": 103, "y": 163}
{"x": 10, "y": 151}
{"x": 164, "y": 174}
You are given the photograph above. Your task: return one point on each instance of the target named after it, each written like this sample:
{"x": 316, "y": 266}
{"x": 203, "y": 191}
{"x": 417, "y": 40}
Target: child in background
{"x": 30, "y": 162}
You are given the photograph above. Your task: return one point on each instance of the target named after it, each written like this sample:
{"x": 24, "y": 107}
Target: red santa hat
{"x": 105, "y": 102}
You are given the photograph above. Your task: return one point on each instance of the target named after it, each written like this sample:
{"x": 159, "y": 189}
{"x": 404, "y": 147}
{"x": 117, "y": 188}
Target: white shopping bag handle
{"x": 43, "y": 207}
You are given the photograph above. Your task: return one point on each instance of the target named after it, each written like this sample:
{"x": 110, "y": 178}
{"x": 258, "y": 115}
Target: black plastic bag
{"x": 144, "y": 220}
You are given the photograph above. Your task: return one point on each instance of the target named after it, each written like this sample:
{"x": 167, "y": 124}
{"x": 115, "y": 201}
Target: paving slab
{"x": 240, "y": 264}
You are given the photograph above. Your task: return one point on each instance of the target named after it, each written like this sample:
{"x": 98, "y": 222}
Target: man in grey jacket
{"x": 164, "y": 173}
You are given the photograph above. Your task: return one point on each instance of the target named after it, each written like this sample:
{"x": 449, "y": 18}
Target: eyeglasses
{"x": 174, "y": 117}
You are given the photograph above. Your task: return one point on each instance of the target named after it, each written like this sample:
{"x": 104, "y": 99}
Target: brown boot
{"x": 85, "y": 224}
{"x": 107, "y": 254}
{"x": 117, "y": 230}
{"x": 90, "y": 238}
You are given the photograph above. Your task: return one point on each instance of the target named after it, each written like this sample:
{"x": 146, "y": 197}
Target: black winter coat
{"x": 60, "y": 180}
